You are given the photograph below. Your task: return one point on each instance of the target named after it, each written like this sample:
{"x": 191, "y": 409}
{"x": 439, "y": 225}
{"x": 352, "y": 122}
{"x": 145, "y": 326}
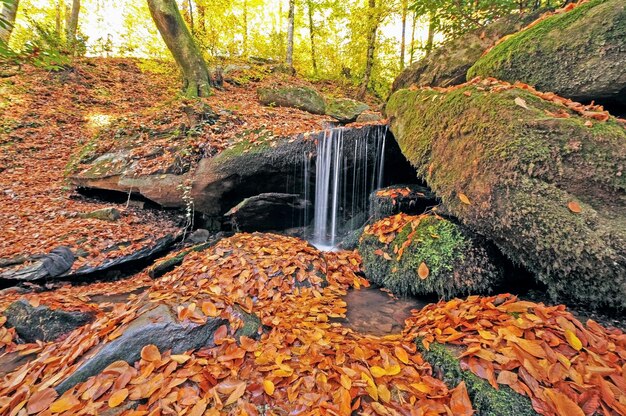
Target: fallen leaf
{"x": 150, "y": 353}
{"x": 573, "y": 340}
{"x": 574, "y": 207}
{"x": 520, "y": 101}
{"x": 422, "y": 271}
{"x": 41, "y": 400}
{"x": 464, "y": 199}
{"x": 118, "y": 397}
{"x": 268, "y": 387}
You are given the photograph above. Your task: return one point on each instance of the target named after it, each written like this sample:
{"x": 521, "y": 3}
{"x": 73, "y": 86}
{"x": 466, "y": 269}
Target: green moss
{"x": 520, "y": 168}
{"x": 261, "y": 141}
{"x": 486, "y": 400}
{"x": 546, "y": 54}
{"x": 457, "y": 266}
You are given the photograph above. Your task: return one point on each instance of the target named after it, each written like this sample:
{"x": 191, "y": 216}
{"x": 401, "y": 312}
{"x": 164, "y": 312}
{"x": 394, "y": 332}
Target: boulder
{"x": 521, "y": 168}
{"x": 268, "y": 211}
{"x": 369, "y": 117}
{"x": 345, "y": 110}
{"x": 42, "y": 323}
{"x": 104, "y": 214}
{"x": 302, "y": 98}
{"x": 408, "y": 199}
{"x": 448, "y": 64}
{"x": 425, "y": 255}
{"x": 579, "y": 54}
{"x": 158, "y": 326}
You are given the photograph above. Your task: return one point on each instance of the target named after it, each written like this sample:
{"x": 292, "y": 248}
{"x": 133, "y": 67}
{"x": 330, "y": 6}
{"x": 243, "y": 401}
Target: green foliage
{"x": 454, "y": 18}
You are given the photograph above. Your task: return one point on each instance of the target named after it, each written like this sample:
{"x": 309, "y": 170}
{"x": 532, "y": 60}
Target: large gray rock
{"x": 579, "y": 54}
{"x": 345, "y": 110}
{"x": 545, "y": 184}
{"x": 158, "y": 327}
{"x": 448, "y": 64}
{"x": 42, "y": 323}
{"x": 54, "y": 264}
{"x": 268, "y": 211}
{"x": 302, "y": 98}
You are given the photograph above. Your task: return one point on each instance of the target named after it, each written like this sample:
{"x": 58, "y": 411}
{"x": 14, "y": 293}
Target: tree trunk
{"x": 191, "y": 22}
{"x": 201, "y": 19}
{"x": 167, "y": 17}
{"x": 371, "y": 47}
{"x": 245, "y": 28}
{"x": 290, "y": 27}
{"x": 412, "y": 54}
{"x": 7, "y": 15}
{"x": 405, "y": 6}
{"x": 72, "y": 24}
{"x": 432, "y": 24}
{"x": 312, "y": 33}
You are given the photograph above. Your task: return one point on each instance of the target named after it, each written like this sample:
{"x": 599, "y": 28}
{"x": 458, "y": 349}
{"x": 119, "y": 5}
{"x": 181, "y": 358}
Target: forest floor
{"x": 304, "y": 359}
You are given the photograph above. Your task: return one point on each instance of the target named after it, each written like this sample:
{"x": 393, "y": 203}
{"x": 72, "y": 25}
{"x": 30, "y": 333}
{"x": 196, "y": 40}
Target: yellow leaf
{"x": 573, "y": 340}
{"x": 180, "y": 358}
{"x": 402, "y": 355}
{"x": 268, "y": 387}
{"x": 393, "y": 370}
{"x": 378, "y": 371}
{"x": 346, "y": 382}
{"x": 464, "y": 199}
{"x": 199, "y": 408}
{"x": 118, "y": 397}
{"x": 383, "y": 393}
{"x": 63, "y": 404}
{"x": 422, "y": 271}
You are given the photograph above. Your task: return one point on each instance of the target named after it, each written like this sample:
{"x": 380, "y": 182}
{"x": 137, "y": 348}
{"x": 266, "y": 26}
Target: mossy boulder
{"x": 486, "y": 400}
{"x": 302, "y": 98}
{"x": 448, "y": 64}
{"x": 458, "y": 262}
{"x": 579, "y": 54}
{"x": 516, "y": 169}
{"x": 344, "y": 109}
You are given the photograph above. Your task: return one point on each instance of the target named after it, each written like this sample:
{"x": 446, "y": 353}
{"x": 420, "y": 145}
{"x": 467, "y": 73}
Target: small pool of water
{"x": 372, "y": 311}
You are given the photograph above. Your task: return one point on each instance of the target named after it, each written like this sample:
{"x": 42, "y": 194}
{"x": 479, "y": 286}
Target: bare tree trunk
{"x": 405, "y": 6}
{"x": 412, "y": 55}
{"x": 245, "y": 27}
{"x": 7, "y": 15}
{"x": 58, "y": 18}
{"x": 312, "y": 33}
{"x": 290, "y": 27}
{"x": 191, "y": 23}
{"x": 167, "y": 17}
{"x": 72, "y": 23}
{"x": 432, "y": 25}
{"x": 371, "y": 47}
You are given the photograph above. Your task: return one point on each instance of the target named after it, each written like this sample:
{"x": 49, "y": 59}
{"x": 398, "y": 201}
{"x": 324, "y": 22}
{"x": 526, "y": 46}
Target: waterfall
{"x": 345, "y": 174}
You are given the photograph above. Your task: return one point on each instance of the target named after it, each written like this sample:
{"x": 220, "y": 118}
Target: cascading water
{"x": 345, "y": 174}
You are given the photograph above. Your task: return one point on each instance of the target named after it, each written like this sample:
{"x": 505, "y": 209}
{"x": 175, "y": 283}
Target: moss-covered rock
{"x": 458, "y": 262}
{"x": 521, "y": 163}
{"x": 448, "y": 64}
{"x": 344, "y": 109}
{"x": 302, "y": 98}
{"x": 579, "y": 54}
{"x": 486, "y": 400}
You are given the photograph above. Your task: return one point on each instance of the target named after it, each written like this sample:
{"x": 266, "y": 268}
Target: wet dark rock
{"x": 159, "y": 327}
{"x": 408, "y": 199}
{"x": 42, "y": 323}
{"x": 164, "y": 266}
{"x": 52, "y": 265}
{"x": 302, "y": 98}
{"x": 579, "y": 54}
{"x": 200, "y": 235}
{"x": 268, "y": 211}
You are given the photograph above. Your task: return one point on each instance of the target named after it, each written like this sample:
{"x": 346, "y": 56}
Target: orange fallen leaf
{"x": 464, "y": 199}
{"x": 150, "y": 353}
{"x": 118, "y": 397}
{"x": 423, "y": 271}
{"x": 268, "y": 387}
{"x": 41, "y": 400}
{"x": 574, "y": 207}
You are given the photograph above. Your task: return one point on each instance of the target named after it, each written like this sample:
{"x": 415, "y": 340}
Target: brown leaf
{"x": 574, "y": 207}
{"x": 41, "y": 400}
{"x": 422, "y": 271}
{"x": 564, "y": 405}
{"x": 150, "y": 353}
{"x": 464, "y": 199}
{"x": 460, "y": 403}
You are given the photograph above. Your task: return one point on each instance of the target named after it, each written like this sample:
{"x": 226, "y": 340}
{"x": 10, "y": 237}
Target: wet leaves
{"x": 574, "y": 207}
{"x": 422, "y": 271}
